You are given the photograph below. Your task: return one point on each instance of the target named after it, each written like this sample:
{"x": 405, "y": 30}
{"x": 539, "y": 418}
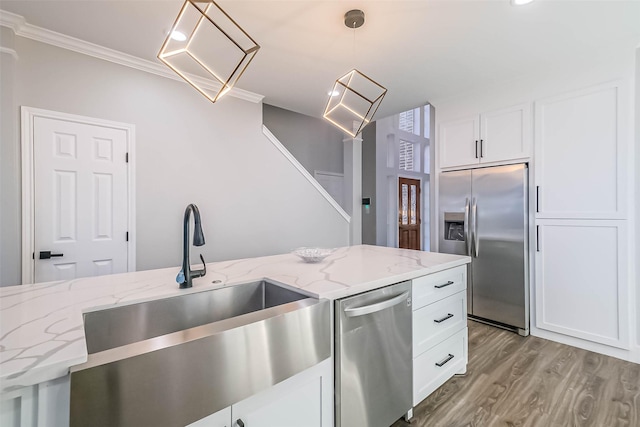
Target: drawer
{"x": 451, "y": 355}
{"x": 434, "y": 287}
{"x": 438, "y": 321}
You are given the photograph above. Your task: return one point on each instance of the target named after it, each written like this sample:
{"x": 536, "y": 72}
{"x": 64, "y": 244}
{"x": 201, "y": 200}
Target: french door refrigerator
{"x": 483, "y": 214}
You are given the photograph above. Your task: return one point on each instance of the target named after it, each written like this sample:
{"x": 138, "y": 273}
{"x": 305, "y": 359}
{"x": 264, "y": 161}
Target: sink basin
{"x": 115, "y": 327}
{"x": 174, "y": 361}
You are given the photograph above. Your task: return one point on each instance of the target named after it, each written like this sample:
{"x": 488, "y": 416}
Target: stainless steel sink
{"x": 171, "y": 362}
{"x": 128, "y": 324}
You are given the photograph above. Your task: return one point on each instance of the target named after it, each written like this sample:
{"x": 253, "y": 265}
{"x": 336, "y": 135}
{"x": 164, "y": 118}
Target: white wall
{"x": 564, "y": 78}
{"x": 387, "y": 174}
{"x": 369, "y": 184}
{"x": 252, "y": 200}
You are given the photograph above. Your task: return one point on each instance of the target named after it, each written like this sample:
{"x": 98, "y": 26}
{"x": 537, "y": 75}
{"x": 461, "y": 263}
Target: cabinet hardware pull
{"x": 445, "y": 361}
{"x": 476, "y": 148}
{"x": 240, "y": 423}
{"x": 537, "y": 238}
{"x": 448, "y": 316}
{"x": 537, "y": 198}
{"x": 481, "y": 149}
{"x": 443, "y": 285}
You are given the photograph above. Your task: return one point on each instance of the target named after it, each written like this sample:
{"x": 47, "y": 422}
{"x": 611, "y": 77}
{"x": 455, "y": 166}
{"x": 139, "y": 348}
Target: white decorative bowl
{"x": 313, "y": 254}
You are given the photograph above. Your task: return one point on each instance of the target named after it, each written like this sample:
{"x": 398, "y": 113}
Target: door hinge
{"x": 127, "y": 236}
{"x": 126, "y": 157}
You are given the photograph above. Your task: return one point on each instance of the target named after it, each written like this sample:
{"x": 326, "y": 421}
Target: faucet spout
{"x": 186, "y": 275}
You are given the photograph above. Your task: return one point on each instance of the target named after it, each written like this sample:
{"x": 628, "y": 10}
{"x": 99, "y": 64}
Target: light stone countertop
{"x": 41, "y": 326}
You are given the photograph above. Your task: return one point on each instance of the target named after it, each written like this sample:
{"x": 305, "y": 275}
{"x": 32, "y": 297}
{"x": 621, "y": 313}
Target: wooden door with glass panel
{"x": 409, "y": 213}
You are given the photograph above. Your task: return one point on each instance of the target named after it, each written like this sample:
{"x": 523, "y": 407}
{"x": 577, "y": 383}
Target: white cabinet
{"x": 581, "y": 280}
{"x": 304, "y": 400}
{"x": 580, "y": 155}
{"x": 459, "y": 142}
{"x": 582, "y": 258}
{"x": 439, "y": 329}
{"x": 492, "y": 137}
{"x": 44, "y": 404}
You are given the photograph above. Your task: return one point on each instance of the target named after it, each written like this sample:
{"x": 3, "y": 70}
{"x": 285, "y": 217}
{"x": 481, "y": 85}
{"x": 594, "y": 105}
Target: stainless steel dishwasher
{"x": 373, "y": 357}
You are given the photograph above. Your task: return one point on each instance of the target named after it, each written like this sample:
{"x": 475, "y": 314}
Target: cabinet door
{"x": 458, "y": 142}
{"x": 581, "y": 280}
{"x": 304, "y": 400}
{"x": 505, "y": 134}
{"x": 580, "y": 141}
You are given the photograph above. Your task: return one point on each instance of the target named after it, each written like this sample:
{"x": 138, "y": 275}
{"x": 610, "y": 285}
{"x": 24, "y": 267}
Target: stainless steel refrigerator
{"x": 483, "y": 214}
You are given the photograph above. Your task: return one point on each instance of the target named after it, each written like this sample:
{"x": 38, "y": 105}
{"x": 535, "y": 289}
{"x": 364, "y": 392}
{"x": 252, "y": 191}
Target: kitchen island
{"x": 41, "y": 325}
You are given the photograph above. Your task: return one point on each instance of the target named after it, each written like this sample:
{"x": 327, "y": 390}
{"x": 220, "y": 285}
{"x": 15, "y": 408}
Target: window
{"x": 407, "y": 155}
{"x": 409, "y": 121}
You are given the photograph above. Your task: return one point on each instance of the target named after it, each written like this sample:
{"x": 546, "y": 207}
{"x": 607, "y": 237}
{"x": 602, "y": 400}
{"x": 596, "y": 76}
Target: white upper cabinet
{"x": 492, "y": 137}
{"x": 581, "y": 155}
{"x": 458, "y": 142}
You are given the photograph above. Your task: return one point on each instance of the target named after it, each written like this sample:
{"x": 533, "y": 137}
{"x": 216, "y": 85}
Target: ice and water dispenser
{"x": 454, "y": 226}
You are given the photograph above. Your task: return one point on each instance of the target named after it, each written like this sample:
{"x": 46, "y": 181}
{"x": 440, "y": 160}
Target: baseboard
{"x": 630, "y": 355}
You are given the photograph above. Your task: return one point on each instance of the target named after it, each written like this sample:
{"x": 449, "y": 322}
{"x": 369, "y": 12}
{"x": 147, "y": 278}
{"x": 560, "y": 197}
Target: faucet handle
{"x": 200, "y": 273}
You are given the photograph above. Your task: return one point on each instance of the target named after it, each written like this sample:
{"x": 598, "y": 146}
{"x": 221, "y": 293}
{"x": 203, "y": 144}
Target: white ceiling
{"x": 420, "y": 50}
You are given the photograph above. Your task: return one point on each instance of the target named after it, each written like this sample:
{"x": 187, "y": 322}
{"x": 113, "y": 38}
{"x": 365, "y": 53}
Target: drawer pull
{"x": 445, "y": 361}
{"x": 443, "y": 285}
{"x": 448, "y": 316}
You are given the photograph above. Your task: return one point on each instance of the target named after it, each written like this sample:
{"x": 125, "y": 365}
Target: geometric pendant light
{"x": 206, "y": 42}
{"x": 355, "y": 98}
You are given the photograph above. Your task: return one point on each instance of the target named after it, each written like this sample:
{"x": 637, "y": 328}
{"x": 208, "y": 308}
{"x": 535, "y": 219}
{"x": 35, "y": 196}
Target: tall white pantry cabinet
{"x": 582, "y": 249}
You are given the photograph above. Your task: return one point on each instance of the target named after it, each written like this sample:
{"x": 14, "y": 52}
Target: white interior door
{"x": 80, "y": 200}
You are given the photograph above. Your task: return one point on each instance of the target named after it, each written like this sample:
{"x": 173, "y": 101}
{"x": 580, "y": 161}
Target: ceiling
{"x": 421, "y": 50}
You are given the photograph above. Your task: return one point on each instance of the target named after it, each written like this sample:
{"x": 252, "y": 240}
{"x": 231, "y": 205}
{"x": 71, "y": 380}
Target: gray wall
{"x": 9, "y": 166}
{"x": 369, "y": 183}
{"x": 315, "y": 143}
{"x": 637, "y": 193}
{"x": 187, "y": 151}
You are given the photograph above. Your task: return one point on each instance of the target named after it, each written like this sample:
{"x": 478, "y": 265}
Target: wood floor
{"x": 513, "y": 381}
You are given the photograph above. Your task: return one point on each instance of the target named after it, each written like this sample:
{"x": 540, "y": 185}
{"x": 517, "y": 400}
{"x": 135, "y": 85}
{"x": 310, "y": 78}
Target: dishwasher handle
{"x": 379, "y": 306}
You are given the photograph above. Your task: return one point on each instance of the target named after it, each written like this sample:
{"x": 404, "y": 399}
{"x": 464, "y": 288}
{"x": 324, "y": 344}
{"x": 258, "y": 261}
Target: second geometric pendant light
{"x": 355, "y": 98}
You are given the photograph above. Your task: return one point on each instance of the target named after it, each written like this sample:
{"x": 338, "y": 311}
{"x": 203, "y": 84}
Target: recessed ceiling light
{"x": 520, "y": 2}
{"x": 333, "y": 93}
{"x": 178, "y": 36}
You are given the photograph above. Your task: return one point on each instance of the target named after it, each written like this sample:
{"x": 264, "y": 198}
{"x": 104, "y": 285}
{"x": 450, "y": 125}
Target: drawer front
{"x": 434, "y": 287}
{"x": 438, "y": 321}
{"x": 434, "y": 367}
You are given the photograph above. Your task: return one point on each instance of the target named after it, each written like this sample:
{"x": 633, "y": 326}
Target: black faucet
{"x": 186, "y": 275}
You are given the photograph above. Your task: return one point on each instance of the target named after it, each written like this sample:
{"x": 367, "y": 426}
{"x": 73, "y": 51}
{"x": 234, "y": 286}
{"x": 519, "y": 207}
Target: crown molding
{"x": 23, "y": 29}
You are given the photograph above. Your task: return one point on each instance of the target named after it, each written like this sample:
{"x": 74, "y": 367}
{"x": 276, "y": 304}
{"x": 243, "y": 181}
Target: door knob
{"x": 48, "y": 255}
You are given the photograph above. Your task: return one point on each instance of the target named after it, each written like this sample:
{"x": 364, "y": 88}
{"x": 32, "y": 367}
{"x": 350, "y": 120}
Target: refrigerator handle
{"x": 474, "y": 216}
{"x": 467, "y": 243}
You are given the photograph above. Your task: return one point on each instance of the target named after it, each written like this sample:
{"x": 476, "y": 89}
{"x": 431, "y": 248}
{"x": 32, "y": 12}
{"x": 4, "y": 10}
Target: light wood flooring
{"x": 513, "y": 381}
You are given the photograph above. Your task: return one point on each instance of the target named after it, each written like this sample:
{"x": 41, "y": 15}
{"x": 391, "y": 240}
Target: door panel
{"x": 499, "y": 208}
{"x": 581, "y": 155}
{"x": 505, "y": 134}
{"x": 586, "y": 294}
{"x": 409, "y": 213}
{"x": 458, "y": 142}
{"x": 81, "y": 199}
